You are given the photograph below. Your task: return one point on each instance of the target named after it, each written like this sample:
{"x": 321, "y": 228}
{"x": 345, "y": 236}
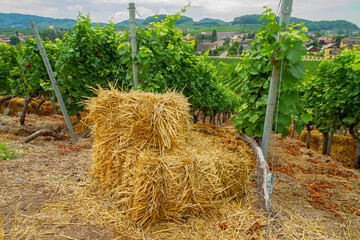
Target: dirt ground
{"x": 45, "y": 194}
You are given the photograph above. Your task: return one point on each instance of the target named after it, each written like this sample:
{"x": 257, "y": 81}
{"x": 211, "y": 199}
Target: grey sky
{"x": 103, "y": 10}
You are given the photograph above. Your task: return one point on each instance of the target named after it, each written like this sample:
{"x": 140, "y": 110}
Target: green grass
{"x": 7, "y": 153}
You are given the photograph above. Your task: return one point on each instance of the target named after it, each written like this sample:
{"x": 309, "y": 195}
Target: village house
{"x": 312, "y": 49}
{"x": 220, "y": 42}
{"x": 308, "y": 43}
{"x": 224, "y": 35}
{"x": 236, "y": 39}
{"x": 350, "y": 43}
{"x": 322, "y": 40}
{"x": 25, "y": 37}
{"x": 187, "y": 36}
{"x": 331, "y": 50}
{"x": 5, "y": 39}
{"x": 245, "y": 44}
{"x": 201, "y": 48}
{"x": 310, "y": 33}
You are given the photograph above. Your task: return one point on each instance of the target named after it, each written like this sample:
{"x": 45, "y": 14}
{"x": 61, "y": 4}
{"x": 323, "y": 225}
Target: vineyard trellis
{"x": 92, "y": 56}
{"x": 226, "y": 65}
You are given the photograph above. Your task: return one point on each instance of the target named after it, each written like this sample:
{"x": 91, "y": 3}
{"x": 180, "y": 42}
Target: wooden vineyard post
{"x": 53, "y": 80}
{"x": 286, "y": 8}
{"x": 262, "y": 172}
{"x": 133, "y": 42}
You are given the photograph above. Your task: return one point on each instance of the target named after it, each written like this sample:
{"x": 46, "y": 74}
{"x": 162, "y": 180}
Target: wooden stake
{"x": 133, "y": 41}
{"x": 53, "y": 80}
{"x": 286, "y": 8}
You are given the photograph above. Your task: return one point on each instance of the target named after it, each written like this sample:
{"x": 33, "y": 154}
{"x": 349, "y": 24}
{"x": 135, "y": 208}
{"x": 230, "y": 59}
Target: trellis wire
{"x": 139, "y": 15}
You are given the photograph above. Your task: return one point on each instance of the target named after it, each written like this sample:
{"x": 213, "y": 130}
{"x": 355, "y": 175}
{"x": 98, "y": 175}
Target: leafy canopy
{"x": 273, "y": 47}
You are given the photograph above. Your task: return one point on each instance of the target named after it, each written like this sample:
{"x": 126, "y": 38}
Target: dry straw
{"x": 343, "y": 148}
{"x": 149, "y": 163}
{"x": 140, "y": 120}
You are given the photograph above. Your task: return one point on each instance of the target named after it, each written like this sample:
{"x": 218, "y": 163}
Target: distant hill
{"x": 156, "y": 18}
{"x": 211, "y": 20}
{"x": 312, "y": 25}
{"x": 127, "y": 22}
{"x": 160, "y": 17}
{"x": 9, "y": 22}
{"x": 326, "y": 25}
{"x": 247, "y": 19}
{"x": 16, "y": 20}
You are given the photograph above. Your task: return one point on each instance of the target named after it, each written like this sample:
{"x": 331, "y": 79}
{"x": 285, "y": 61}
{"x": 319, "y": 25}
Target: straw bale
{"x": 17, "y": 105}
{"x": 315, "y": 139}
{"x": 233, "y": 172}
{"x": 206, "y": 128}
{"x": 147, "y": 200}
{"x": 343, "y": 148}
{"x": 83, "y": 125}
{"x": 149, "y": 163}
{"x": 188, "y": 181}
{"x": 140, "y": 120}
{"x": 171, "y": 187}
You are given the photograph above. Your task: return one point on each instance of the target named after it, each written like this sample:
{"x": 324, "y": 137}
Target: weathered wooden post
{"x": 53, "y": 80}
{"x": 133, "y": 41}
{"x": 286, "y": 9}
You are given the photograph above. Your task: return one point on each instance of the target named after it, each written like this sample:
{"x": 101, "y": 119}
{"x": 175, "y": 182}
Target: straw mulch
{"x": 17, "y": 105}
{"x": 314, "y": 196}
{"x": 83, "y": 125}
{"x": 343, "y": 148}
{"x": 315, "y": 139}
{"x": 146, "y": 160}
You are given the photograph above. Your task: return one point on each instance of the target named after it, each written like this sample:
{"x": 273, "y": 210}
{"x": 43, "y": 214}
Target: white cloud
{"x": 75, "y": 8}
{"x": 162, "y": 11}
{"x": 51, "y": 12}
{"x": 120, "y": 16}
{"x": 139, "y": 2}
{"x": 143, "y": 12}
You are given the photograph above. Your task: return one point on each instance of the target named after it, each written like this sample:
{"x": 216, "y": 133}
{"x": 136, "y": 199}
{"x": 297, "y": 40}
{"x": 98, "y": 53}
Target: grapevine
{"x": 253, "y": 74}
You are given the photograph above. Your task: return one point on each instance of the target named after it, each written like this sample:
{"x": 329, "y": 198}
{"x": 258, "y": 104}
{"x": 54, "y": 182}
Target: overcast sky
{"x": 227, "y": 10}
